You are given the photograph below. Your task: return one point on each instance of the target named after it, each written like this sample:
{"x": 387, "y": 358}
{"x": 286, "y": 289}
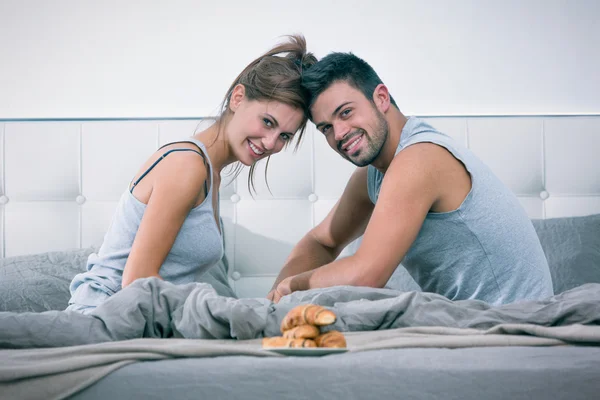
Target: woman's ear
{"x": 237, "y": 97}
{"x": 381, "y": 98}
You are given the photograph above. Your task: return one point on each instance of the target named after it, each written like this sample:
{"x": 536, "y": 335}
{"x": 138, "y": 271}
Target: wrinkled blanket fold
{"x": 152, "y": 308}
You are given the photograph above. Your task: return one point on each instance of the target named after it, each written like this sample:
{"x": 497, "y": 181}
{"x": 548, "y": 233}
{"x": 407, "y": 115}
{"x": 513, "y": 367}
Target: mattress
{"x": 557, "y": 372}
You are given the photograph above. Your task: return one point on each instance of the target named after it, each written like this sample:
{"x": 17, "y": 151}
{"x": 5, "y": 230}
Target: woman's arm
{"x": 177, "y": 185}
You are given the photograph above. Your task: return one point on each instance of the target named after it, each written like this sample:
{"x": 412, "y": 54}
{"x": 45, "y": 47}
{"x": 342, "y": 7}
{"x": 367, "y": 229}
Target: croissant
{"x": 307, "y": 314}
{"x": 302, "y": 331}
{"x": 279, "y": 341}
{"x": 331, "y": 339}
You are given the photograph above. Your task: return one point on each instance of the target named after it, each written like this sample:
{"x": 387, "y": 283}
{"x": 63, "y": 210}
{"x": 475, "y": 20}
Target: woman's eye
{"x": 285, "y": 137}
{"x": 267, "y": 122}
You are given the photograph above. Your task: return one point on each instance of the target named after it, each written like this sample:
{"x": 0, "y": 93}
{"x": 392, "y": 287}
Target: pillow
{"x": 572, "y": 248}
{"x": 40, "y": 282}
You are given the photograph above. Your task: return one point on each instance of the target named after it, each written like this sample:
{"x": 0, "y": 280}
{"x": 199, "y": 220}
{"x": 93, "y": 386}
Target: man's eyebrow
{"x": 333, "y": 113}
{"x": 277, "y": 123}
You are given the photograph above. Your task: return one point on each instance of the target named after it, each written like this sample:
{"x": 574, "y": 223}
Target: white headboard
{"x": 60, "y": 181}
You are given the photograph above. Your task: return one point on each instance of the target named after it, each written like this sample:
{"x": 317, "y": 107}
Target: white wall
{"x": 128, "y": 58}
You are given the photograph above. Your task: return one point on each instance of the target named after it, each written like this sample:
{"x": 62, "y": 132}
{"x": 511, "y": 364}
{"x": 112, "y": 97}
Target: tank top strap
{"x": 159, "y": 160}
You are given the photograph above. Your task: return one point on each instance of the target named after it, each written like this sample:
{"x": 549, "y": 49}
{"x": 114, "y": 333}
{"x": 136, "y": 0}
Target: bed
{"x": 53, "y": 217}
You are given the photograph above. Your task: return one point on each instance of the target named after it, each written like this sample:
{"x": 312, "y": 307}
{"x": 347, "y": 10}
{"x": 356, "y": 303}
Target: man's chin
{"x": 361, "y": 159}
{"x": 358, "y": 161}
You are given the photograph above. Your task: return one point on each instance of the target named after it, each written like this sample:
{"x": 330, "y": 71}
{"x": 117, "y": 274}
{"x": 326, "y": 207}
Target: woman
{"x": 166, "y": 224}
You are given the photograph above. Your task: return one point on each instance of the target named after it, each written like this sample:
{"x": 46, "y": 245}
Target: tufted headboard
{"x": 60, "y": 181}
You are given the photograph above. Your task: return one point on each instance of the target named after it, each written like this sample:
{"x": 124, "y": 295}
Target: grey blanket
{"x": 152, "y": 308}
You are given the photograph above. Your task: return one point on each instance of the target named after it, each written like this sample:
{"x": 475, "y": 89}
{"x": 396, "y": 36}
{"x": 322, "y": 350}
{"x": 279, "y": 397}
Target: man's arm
{"x": 344, "y": 223}
{"x": 411, "y": 187}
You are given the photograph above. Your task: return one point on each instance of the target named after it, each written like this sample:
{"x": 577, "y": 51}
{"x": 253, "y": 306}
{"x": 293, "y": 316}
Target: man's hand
{"x": 273, "y": 296}
{"x": 283, "y": 289}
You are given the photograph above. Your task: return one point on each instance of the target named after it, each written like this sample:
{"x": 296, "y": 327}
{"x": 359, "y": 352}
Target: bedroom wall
{"x": 144, "y": 59}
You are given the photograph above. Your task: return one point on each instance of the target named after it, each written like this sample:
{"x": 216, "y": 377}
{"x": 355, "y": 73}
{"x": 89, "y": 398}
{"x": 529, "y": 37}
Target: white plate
{"x": 307, "y": 351}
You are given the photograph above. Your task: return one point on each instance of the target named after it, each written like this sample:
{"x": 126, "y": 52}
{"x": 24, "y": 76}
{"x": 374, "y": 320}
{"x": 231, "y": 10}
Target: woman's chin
{"x": 247, "y": 161}
{"x": 244, "y": 159}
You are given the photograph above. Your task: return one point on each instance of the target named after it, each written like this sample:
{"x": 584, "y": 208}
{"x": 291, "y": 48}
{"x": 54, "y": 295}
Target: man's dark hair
{"x": 344, "y": 67}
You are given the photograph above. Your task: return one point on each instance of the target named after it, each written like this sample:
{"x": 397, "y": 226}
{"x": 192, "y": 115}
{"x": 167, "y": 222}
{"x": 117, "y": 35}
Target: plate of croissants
{"x": 302, "y": 335}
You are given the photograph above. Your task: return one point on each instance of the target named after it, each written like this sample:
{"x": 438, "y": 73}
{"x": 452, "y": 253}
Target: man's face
{"x": 351, "y": 123}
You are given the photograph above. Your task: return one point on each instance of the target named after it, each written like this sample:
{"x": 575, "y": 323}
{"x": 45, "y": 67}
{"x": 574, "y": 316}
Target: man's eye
{"x": 346, "y": 112}
{"x": 325, "y": 129}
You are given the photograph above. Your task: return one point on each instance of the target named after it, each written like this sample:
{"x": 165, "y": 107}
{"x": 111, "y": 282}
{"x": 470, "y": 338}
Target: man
{"x": 418, "y": 198}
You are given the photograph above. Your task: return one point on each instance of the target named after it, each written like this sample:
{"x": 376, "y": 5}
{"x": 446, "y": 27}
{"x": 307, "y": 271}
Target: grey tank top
{"x": 487, "y": 249}
{"x": 197, "y": 247}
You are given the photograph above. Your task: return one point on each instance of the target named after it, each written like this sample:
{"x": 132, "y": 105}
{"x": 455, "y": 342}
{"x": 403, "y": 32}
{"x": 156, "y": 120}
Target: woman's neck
{"x": 214, "y": 139}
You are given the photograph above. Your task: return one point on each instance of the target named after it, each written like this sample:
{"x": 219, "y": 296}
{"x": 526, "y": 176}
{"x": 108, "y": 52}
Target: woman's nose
{"x": 270, "y": 141}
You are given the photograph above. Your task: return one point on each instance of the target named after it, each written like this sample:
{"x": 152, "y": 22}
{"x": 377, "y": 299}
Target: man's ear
{"x": 381, "y": 98}
{"x": 237, "y": 96}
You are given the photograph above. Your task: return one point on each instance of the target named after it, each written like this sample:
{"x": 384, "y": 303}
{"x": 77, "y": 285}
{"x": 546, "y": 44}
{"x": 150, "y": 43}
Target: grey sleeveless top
{"x": 197, "y": 247}
{"x": 487, "y": 249}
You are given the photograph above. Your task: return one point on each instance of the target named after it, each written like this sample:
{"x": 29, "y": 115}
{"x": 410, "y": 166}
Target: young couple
{"x": 416, "y": 197}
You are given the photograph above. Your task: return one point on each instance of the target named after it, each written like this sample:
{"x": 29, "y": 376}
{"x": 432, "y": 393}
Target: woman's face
{"x": 259, "y": 129}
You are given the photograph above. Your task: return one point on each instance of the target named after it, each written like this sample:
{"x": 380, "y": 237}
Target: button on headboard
{"x": 61, "y": 181}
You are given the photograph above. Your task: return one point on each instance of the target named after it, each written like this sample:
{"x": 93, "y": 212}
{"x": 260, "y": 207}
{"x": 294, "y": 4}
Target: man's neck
{"x": 396, "y": 121}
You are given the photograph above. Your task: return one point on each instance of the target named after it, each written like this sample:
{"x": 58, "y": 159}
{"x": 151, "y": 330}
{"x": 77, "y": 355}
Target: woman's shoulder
{"x": 182, "y": 162}
{"x": 175, "y": 169}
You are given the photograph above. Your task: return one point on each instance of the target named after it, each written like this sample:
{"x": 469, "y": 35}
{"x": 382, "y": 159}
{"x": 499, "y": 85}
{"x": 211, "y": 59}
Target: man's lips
{"x": 351, "y": 141}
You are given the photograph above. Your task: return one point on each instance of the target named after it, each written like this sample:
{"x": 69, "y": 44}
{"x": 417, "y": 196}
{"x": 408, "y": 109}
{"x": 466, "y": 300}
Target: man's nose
{"x": 340, "y": 130}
